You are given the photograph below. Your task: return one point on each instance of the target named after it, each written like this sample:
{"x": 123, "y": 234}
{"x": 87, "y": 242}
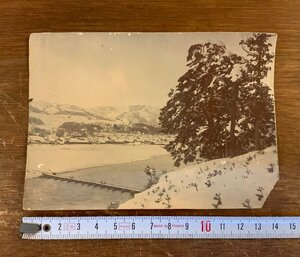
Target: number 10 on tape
{"x": 139, "y": 227}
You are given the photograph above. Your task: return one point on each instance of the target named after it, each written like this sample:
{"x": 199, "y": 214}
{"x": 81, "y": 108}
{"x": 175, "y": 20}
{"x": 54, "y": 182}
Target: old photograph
{"x": 151, "y": 121}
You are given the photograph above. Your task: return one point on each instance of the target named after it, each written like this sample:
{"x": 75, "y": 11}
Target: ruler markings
{"x": 165, "y": 227}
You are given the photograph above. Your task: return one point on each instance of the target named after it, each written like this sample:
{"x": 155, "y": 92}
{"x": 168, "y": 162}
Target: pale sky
{"x": 114, "y": 69}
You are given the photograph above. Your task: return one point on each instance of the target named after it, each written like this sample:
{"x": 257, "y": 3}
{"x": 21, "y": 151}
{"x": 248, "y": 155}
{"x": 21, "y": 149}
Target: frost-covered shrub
{"x": 271, "y": 168}
{"x": 260, "y": 194}
{"x": 113, "y": 205}
{"x": 208, "y": 183}
{"x": 217, "y": 198}
{"x": 152, "y": 174}
{"x": 194, "y": 185}
{"x": 167, "y": 203}
{"x": 246, "y": 204}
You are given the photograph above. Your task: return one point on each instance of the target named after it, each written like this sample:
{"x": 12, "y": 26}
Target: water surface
{"x": 115, "y": 164}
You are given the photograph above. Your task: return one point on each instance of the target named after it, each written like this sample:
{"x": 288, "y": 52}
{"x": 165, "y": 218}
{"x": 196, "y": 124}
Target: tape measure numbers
{"x": 151, "y": 227}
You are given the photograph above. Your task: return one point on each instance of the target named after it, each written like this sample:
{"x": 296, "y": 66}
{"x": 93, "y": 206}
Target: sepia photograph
{"x": 151, "y": 121}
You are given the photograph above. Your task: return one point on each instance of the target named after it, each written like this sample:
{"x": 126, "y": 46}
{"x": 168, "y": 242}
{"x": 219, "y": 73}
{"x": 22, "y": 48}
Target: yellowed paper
{"x": 151, "y": 120}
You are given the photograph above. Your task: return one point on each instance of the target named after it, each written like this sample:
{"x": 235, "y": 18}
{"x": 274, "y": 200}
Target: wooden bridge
{"x": 90, "y": 183}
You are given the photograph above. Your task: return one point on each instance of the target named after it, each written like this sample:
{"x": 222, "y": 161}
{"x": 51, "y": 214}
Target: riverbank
{"x": 49, "y": 194}
{"x": 102, "y": 138}
{"x": 62, "y": 158}
{"x": 243, "y": 181}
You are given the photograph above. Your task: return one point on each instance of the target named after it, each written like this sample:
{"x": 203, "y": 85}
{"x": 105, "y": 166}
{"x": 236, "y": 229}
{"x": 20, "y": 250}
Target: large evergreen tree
{"x": 212, "y": 111}
{"x": 259, "y": 103}
{"x": 196, "y": 111}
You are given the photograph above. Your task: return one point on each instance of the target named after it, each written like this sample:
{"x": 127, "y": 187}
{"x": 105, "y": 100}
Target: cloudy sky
{"x": 113, "y": 69}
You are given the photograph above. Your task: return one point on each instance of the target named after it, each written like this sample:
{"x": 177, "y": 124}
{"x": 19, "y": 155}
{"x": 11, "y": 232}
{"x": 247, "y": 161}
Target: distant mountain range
{"x": 51, "y": 116}
{"x": 129, "y": 114}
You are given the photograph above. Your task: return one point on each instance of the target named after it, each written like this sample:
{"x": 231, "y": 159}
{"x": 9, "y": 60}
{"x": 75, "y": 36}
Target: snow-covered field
{"x": 241, "y": 182}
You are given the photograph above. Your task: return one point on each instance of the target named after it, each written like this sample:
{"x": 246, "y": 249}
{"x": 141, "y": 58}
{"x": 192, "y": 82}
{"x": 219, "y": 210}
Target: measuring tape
{"x": 155, "y": 227}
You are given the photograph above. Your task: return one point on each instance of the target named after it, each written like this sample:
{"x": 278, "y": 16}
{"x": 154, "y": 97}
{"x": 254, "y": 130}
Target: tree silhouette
{"x": 188, "y": 113}
{"x": 213, "y": 110}
{"x": 259, "y": 102}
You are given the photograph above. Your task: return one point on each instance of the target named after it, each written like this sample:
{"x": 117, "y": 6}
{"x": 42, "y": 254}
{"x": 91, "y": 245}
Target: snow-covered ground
{"x": 244, "y": 181}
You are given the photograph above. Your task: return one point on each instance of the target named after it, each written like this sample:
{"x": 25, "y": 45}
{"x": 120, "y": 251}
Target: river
{"x": 117, "y": 164}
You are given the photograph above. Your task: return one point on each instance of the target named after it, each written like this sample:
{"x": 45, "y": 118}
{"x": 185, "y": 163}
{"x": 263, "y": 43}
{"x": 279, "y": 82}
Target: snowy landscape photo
{"x": 151, "y": 121}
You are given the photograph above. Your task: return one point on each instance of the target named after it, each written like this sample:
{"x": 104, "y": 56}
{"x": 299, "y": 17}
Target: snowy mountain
{"x": 51, "y": 116}
{"x": 129, "y": 114}
{"x": 60, "y": 109}
{"x": 244, "y": 181}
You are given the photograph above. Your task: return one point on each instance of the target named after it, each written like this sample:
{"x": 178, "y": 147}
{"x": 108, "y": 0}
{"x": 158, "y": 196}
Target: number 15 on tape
{"x": 151, "y": 227}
